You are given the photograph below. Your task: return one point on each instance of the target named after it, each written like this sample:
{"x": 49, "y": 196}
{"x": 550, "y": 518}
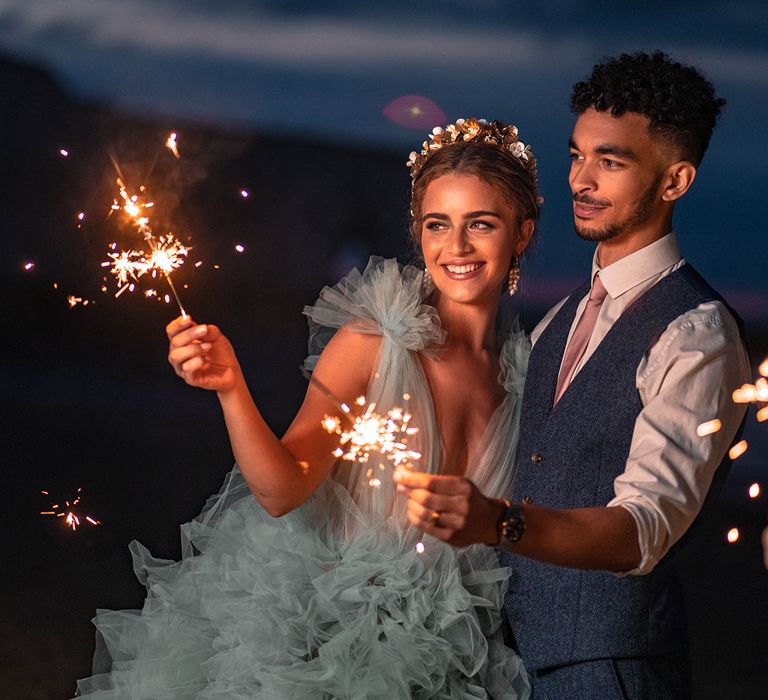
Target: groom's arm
{"x": 686, "y": 379}
{"x": 584, "y": 538}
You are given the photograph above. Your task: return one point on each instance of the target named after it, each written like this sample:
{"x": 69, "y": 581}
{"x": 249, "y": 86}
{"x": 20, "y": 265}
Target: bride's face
{"x": 469, "y": 234}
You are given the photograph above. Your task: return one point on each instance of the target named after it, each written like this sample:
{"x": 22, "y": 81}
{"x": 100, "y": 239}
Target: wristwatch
{"x": 512, "y": 523}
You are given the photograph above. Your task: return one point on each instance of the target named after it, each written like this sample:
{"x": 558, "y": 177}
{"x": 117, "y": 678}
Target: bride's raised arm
{"x": 281, "y": 473}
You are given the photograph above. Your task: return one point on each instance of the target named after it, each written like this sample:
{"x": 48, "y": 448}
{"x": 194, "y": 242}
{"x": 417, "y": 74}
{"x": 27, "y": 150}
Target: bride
{"x": 302, "y": 578}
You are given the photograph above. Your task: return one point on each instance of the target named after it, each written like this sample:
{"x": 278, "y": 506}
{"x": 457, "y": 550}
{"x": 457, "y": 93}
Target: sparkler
{"x": 370, "y": 433}
{"x": 72, "y": 514}
{"x": 166, "y": 253}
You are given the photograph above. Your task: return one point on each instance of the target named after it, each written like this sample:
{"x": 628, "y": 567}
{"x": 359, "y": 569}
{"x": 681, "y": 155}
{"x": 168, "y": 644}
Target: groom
{"x": 612, "y": 471}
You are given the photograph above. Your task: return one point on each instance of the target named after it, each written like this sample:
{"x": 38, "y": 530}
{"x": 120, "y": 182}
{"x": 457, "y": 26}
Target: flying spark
{"x": 754, "y": 490}
{"x": 752, "y": 393}
{"x": 738, "y": 449}
{"x": 172, "y": 144}
{"x": 733, "y": 535}
{"x": 71, "y": 511}
{"x": 709, "y": 427}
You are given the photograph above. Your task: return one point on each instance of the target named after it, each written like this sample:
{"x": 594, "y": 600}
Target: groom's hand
{"x": 450, "y": 508}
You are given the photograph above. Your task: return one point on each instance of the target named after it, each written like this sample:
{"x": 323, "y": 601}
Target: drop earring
{"x": 514, "y": 275}
{"x": 427, "y": 284}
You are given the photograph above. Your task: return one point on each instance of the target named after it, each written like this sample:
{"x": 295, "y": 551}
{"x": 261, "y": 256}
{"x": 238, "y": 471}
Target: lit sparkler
{"x": 370, "y": 433}
{"x": 71, "y": 512}
{"x": 374, "y": 434}
{"x": 166, "y": 253}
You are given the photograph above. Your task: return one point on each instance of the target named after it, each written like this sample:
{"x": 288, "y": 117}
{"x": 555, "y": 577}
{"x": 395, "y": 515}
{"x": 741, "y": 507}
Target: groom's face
{"x": 617, "y": 167}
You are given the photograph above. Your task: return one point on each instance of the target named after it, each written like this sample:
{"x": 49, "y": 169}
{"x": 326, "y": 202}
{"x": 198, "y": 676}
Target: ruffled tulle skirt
{"x": 317, "y": 604}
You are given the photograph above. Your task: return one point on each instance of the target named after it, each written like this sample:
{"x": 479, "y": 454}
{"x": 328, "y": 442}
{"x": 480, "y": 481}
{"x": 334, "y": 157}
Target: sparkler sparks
{"x": 71, "y": 511}
{"x": 374, "y": 434}
{"x": 370, "y": 433}
{"x": 29, "y": 266}
{"x": 73, "y": 301}
{"x": 166, "y": 253}
{"x": 733, "y": 535}
{"x": 754, "y": 490}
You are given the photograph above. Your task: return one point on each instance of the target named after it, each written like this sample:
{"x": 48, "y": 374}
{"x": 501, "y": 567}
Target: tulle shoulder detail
{"x": 513, "y": 360}
{"x": 385, "y": 299}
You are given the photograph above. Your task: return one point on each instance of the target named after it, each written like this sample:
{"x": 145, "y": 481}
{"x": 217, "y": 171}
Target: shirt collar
{"x": 638, "y": 267}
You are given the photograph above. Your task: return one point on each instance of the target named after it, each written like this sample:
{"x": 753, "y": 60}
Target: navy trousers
{"x": 654, "y": 678}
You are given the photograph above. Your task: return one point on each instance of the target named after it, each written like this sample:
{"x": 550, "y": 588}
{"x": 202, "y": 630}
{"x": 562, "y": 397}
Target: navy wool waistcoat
{"x": 569, "y": 458}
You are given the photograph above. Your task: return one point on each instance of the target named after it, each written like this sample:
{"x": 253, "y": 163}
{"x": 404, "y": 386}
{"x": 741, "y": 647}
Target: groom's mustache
{"x": 586, "y": 199}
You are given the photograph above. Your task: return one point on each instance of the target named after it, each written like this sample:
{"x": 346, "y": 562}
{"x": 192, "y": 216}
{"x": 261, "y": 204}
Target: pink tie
{"x": 580, "y": 338}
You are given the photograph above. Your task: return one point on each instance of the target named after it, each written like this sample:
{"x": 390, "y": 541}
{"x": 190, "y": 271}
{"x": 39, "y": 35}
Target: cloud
{"x": 346, "y": 44}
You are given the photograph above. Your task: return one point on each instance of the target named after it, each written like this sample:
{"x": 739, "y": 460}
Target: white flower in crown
{"x": 519, "y": 150}
{"x": 505, "y": 136}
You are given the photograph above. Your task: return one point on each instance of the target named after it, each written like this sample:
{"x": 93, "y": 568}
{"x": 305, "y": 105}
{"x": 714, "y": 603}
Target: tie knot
{"x": 598, "y": 291}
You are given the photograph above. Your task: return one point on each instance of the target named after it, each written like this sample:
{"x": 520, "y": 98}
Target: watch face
{"x": 513, "y": 527}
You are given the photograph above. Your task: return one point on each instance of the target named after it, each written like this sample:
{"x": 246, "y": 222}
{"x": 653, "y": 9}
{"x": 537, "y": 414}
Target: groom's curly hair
{"x": 678, "y": 100}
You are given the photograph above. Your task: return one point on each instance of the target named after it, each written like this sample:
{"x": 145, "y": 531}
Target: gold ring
{"x": 434, "y": 517}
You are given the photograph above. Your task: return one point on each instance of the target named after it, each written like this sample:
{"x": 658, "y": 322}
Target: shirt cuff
{"x": 643, "y": 523}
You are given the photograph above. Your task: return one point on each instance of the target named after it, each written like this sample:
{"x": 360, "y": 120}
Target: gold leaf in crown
{"x": 503, "y": 135}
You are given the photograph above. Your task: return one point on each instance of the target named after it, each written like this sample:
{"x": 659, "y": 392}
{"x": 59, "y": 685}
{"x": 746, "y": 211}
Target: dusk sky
{"x": 327, "y": 69}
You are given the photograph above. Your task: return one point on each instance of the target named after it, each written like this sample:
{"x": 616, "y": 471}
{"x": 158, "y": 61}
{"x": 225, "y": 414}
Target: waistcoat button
{"x": 535, "y": 458}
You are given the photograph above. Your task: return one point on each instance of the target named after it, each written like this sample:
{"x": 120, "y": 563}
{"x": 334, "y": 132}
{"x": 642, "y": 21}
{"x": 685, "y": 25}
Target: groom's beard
{"x": 641, "y": 214}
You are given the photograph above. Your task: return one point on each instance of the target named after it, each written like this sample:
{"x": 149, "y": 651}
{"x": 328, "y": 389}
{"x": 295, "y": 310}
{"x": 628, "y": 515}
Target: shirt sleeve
{"x": 685, "y": 379}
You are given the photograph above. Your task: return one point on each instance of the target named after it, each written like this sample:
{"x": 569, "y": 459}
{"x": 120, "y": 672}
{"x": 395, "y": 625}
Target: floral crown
{"x": 502, "y": 135}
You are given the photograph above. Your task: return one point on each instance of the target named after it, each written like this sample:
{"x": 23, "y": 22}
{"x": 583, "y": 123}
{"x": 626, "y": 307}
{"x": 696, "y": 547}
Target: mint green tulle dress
{"x": 332, "y": 600}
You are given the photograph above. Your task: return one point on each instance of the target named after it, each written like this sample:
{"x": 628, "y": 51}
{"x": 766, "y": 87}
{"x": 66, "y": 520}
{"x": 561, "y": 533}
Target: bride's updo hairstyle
{"x": 489, "y": 151}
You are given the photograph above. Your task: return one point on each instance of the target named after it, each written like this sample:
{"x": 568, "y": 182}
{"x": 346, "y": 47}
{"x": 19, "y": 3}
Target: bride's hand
{"x": 201, "y": 355}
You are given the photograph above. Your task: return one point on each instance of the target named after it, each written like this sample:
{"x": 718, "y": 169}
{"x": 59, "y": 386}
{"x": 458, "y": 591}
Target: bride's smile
{"x": 469, "y": 234}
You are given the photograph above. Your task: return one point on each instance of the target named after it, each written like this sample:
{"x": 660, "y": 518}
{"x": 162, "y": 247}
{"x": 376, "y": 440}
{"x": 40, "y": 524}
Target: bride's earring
{"x": 514, "y": 275}
{"x": 427, "y": 284}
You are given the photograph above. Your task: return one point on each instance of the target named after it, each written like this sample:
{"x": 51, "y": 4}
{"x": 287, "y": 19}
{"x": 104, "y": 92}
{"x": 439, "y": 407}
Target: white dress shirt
{"x": 685, "y": 379}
